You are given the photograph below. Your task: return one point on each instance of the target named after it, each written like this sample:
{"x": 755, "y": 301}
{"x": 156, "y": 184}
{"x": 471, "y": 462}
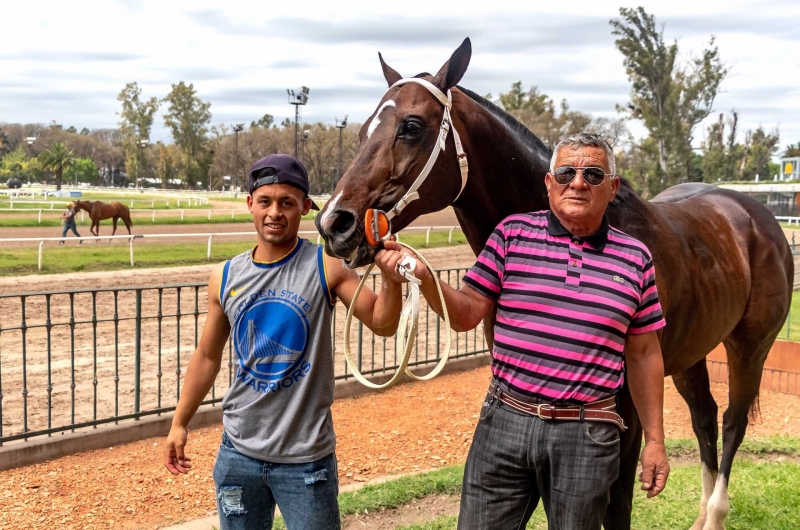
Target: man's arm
{"x": 646, "y": 380}
{"x": 200, "y": 375}
{"x": 379, "y": 312}
{"x": 466, "y": 307}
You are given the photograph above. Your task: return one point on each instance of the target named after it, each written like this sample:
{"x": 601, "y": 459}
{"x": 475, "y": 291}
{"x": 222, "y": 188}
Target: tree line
{"x": 669, "y": 97}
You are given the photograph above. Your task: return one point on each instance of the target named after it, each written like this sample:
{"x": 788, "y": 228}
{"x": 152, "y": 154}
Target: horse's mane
{"x": 519, "y": 130}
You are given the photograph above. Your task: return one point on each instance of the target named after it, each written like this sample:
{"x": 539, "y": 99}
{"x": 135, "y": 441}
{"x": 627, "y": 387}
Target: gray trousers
{"x": 516, "y": 459}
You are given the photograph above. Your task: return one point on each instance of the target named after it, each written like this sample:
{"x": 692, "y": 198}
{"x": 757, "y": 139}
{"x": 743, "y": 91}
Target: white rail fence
{"x": 63, "y": 201}
{"x": 210, "y": 235}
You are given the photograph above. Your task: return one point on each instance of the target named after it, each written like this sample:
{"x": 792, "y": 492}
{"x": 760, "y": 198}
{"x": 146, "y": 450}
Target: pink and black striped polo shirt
{"x": 565, "y": 306}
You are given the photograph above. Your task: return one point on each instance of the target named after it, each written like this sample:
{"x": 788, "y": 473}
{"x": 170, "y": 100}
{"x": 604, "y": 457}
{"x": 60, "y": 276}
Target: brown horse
{"x": 99, "y": 211}
{"x": 724, "y": 267}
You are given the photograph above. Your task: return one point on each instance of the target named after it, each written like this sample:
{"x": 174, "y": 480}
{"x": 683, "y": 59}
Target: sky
{"x": 68, "y": 61}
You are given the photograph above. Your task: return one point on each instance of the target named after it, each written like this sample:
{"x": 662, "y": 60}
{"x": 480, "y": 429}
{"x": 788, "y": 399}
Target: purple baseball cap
{"x": 279, "y": 169}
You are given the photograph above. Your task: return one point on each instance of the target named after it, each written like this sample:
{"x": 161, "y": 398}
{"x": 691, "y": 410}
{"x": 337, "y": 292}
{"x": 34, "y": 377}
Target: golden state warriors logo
{"x": 270, "y": 337}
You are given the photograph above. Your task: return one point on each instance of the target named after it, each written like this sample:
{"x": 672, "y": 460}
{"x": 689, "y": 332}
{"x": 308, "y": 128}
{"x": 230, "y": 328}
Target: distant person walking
{"x": 68, "y": 223}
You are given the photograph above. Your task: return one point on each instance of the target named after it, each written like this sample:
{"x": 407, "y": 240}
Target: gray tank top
{"x": 278, "y": 408}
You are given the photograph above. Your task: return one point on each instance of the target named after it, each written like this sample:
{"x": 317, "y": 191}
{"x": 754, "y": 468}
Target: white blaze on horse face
{"x": 330, "y": 207}
{"x": 718, "y": 506}
{"x": 376, "y": 120}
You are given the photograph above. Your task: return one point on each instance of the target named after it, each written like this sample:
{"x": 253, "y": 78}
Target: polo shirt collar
{"x": 598, "y": 240}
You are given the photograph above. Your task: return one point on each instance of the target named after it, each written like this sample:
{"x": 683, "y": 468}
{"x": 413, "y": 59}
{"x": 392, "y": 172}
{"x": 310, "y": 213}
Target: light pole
{"x": 297, "y": 100}
{"x": 341, "y": 127}
{"x": 237, "y": 129}
{"x": 306, "y": 134}
{"x": 143, "y": 143}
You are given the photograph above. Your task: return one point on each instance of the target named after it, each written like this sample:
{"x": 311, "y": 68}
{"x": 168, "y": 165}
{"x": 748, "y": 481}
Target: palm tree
{"x": 57, "y": 159}
{"x": 792, "y": 150}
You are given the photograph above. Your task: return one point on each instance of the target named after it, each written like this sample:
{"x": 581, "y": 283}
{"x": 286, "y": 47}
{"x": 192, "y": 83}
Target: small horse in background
{"x": 99, "y": 211}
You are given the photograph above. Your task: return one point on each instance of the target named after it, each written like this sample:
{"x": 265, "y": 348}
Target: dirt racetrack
{"x": 103, "y": 364}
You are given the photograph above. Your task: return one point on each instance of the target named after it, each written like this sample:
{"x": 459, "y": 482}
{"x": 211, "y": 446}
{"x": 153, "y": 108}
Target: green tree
{"x": 57, "y": 159}
{"x": 5, "y": 146}
{"x": 792, "y": 150}
{"x": 187, "y": 118}
{"x": 136, "y": 121}
{"x": 670, "y": 99}
{"x": 265, "y": 122}
{"x": 725, "y": 159}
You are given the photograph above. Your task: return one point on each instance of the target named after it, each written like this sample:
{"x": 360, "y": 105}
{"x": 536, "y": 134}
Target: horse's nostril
{"x": 342, "y": 223}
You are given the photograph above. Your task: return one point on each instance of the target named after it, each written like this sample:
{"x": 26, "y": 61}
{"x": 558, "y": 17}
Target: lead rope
{"x": 406, "y": 329}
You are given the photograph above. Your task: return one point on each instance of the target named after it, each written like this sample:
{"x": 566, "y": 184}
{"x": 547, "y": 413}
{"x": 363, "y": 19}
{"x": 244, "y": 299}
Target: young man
{"x": 68, "y": 223}
{"x": 276, "y": 303}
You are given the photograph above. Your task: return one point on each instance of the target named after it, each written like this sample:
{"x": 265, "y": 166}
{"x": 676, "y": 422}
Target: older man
{"x": 577, "y": 309}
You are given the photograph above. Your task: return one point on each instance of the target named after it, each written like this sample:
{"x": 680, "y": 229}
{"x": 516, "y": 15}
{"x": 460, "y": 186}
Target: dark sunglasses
{"x": 592, "y": 175}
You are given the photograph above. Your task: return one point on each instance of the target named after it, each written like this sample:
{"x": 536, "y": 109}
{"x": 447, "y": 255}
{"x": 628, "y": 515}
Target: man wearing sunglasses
{"x": 577, "y": 312}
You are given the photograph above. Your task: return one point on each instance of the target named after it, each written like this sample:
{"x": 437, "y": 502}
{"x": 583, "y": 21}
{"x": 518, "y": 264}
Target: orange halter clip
{"x": 377, "y": 226}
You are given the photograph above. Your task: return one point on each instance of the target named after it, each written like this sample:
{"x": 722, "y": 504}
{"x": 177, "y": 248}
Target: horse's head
{"x": 396, "y": 142}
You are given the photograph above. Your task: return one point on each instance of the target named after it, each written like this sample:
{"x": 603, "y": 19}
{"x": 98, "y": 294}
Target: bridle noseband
{"x": 378, "y": 224}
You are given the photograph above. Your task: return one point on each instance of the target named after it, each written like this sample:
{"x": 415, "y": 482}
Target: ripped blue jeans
{"x": 248, "y": 490}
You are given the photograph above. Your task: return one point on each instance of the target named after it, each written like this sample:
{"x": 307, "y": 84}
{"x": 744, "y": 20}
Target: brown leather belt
{"x": 603, "y": 410}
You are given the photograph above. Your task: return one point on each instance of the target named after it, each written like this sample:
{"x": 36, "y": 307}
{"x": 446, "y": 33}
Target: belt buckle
{"x": 545, "y": 407}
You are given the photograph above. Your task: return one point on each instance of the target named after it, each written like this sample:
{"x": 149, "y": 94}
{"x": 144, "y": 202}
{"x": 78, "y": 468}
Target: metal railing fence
{"x": 81, "y": 358}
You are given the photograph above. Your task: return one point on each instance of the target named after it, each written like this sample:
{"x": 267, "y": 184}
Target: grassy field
{"x": 103, "y": 256}
{"x": 54, "y": 219}
{"x": 764, "y": 495}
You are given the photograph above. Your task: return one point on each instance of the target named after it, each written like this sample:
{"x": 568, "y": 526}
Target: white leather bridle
{"x": 447, "y": 123}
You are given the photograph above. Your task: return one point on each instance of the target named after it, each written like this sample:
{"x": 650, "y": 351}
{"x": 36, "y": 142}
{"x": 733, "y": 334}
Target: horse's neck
{"x": 506, "y": 175}
{"x": 632, "y": 214}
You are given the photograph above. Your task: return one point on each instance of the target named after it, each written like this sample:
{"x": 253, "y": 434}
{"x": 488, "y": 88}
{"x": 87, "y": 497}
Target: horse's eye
{"x": 412, "y": 128}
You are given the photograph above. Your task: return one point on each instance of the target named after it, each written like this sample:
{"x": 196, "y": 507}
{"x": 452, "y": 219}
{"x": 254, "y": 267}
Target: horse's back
{"x": 721, "y": 253}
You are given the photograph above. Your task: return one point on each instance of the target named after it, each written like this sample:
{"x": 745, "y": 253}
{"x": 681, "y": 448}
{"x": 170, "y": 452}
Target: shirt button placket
{"x": 575, "y": 262}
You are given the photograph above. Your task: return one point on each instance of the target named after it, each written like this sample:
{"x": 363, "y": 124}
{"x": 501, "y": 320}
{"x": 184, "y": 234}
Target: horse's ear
{"x": 454, "y": 69}
{"x": 389, "y": 73}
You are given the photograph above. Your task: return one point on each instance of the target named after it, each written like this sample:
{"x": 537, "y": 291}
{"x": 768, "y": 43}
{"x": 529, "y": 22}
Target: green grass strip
{"x": 54, "y": 220}
{"x": 372, "y": 498}
{"x": 765, "y": 446}
{"x": 104, "y": 256}
{"x": 763, "y": 495}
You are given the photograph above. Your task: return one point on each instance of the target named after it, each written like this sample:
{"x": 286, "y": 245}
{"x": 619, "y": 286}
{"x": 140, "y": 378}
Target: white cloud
{"x": 68, "y": 60}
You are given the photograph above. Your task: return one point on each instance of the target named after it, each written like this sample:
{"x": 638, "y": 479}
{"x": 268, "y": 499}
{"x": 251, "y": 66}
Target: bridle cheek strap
{"x": 377, "y": 232}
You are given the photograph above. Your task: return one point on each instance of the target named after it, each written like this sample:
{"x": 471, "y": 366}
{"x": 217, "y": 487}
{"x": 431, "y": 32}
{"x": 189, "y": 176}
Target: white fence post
{"x": 233, "y": 213}
{"x": 179, "y": 203}
{"x": 11, "y": 203}
{"x": 428, "y": 236}
{"x": 40, "y": 217}
{"x": 51, "y": 205}
{"x": 318, "y": 236}
{"x": 153, "y": 204}
{"x": 131, "y": 204}
{"x": 450, "y": 235}
{"x": 209, "y": 214}
{"x": 130, "y": 244}
{"x": 81, "y": 216}
{"x": 41, "y": 243}
{"x": 209, "y": 247}
{"x": 182, "y": 212}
